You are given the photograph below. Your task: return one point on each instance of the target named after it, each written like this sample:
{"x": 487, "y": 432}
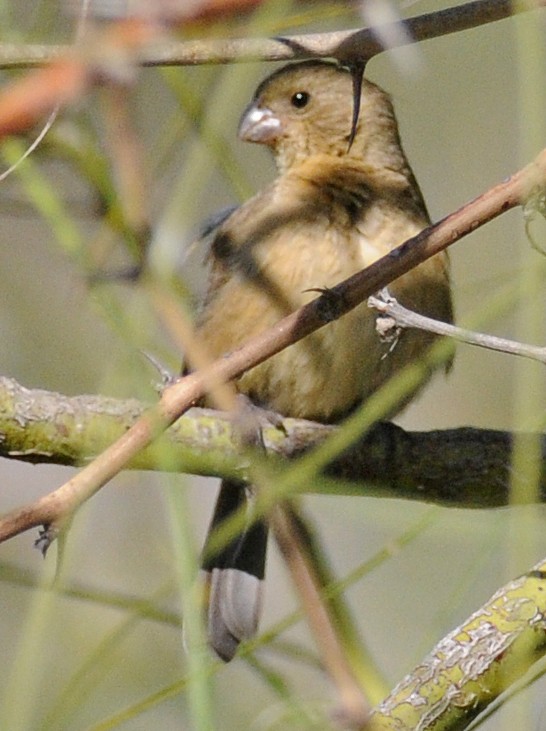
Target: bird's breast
{"x": 330, "y": 371}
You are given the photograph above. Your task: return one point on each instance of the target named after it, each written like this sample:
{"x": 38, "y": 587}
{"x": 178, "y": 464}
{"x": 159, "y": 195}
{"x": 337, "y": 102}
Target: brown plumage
{"x": 331, "y": 211}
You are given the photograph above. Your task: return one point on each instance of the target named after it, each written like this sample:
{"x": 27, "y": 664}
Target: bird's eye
{"x": 300, "y": 99}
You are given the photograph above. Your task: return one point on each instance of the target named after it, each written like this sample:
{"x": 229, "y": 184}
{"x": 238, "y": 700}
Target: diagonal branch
{"x": 470, "y": 667}
{"x": 53, "y": 509}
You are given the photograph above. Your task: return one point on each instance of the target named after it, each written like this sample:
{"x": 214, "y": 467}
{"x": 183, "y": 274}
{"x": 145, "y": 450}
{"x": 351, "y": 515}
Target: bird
{"x": 344, "y": 196}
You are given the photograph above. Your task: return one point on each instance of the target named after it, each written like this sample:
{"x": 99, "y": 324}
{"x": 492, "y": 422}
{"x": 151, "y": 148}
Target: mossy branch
{"x": 470, "y": 667}
{"x": 465, "y": 467}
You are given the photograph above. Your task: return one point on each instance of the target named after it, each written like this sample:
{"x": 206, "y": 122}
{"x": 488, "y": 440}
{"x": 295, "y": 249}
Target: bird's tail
{"x": 233, "y": 576}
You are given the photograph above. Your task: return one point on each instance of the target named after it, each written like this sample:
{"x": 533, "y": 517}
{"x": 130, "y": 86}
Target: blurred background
{"x": 471, "y": 112}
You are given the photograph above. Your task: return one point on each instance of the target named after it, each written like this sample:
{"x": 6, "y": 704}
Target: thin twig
{"x": 83, "y": 13}
{"x": 386, "y": 304}
{"x": 353, "y": 710}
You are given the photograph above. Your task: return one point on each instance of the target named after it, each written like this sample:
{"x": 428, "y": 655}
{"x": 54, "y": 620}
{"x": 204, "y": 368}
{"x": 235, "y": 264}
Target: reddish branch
{"x": 53, "y": 509}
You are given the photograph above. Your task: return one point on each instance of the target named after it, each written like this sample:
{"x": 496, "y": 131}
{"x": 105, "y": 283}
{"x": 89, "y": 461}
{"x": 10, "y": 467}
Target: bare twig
{"x": 353, "y": 710}
{"x": 343, "y": 45}
{"x": 402, "y": 317}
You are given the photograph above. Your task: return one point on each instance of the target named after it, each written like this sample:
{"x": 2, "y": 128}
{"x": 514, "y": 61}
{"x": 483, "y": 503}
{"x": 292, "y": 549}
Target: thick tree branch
{"x": 466, "y": 467}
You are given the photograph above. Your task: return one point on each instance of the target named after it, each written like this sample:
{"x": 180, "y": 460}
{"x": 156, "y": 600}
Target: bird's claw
{"x": 46, "y": 537}
{"x": 167, "y": 378}
{"x": 252, "y": 419}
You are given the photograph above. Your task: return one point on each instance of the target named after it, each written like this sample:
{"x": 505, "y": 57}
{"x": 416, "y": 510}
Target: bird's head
{"x": 306, "y": 108}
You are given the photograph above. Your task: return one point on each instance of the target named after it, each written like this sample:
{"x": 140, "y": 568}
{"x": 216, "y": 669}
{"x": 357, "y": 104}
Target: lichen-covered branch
{"x": 466, "y": 467}
{"x": 470, "y": 667}
{"x": 40, "y": 426}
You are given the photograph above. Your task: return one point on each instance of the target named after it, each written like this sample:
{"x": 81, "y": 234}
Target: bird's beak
{"x": 259, "y": 124}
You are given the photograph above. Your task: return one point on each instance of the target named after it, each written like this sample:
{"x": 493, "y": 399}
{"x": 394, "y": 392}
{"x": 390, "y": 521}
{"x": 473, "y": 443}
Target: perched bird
{"x": 333, "y": 209}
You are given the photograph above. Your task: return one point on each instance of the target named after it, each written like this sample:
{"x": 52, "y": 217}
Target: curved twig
{"x": 404, "y": 318}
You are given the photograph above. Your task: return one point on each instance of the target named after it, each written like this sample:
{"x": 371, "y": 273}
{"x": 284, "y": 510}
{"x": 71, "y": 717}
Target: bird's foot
{"x": 167, "y": 378}
{"x": 251, "y": 419}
